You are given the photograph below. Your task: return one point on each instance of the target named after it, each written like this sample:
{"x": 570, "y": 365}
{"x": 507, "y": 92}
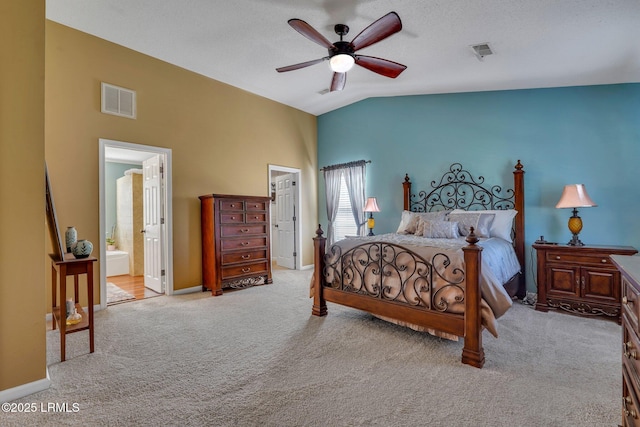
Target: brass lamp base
{"x": 370, "y": 224}
{"x": 575, "y": 226}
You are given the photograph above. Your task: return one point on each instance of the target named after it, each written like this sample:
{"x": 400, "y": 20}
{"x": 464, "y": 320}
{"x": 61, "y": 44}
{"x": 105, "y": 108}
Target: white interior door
{"x": 152, "y": 212}
{"x": 285, "y": 212}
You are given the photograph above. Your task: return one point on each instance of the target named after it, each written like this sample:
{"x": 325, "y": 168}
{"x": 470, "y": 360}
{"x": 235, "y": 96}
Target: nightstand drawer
{"x": 593, "y": 259}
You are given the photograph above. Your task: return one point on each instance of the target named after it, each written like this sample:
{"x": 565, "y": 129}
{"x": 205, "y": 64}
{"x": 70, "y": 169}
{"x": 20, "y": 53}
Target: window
{"x": 345, "y": 224}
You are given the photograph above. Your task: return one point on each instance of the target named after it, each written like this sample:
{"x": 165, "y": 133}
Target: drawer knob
{"x": 557, "y": 256}
{"x": 627, "y": 401}
{"x": 244, "y": 230}
{"x": 233, "y": 217}
{"x": 629, "y": 351}
{"x": 246, "y": 256}
{"x": 246, "y": 270}
{"x": 625, "y": 300}
{"x": 256, "y": 217}
{"x": 604, "y": 261}
{"x": 244, "y": 243}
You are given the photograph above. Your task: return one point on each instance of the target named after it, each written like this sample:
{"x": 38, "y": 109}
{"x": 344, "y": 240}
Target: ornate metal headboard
{"x": 458, "y": 189}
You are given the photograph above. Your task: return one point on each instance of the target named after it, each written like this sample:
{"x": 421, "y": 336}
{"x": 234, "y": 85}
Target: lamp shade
{"x": 372, "y": 205}
{"x": 341, "y": 63}
{"x": 575, "y": 196}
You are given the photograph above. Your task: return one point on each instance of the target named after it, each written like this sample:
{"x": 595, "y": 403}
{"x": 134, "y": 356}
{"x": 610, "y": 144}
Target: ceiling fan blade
{"x": 379, "y": 30}
{"x": 309, "y": 32}
{"x": 301, "y": 65}
{"x": 338, "y": 81}
{"x": 381, "y": 66}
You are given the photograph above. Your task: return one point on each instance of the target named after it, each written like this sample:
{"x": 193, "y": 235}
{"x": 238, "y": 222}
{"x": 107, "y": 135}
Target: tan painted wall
{"x": 22, "y": 215}
{"x": 222, "y": 138}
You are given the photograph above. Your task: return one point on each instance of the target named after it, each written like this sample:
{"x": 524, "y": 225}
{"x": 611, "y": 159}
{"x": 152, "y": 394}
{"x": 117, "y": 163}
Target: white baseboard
{"x": 25, "y": 389}
{"x": 187, "y": 290}
{"x": 307, "y": 267}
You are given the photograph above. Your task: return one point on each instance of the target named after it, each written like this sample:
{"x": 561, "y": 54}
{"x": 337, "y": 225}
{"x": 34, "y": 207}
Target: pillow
{"x": 480, "y": 221}
{"x": 409, "y": 221}
{"x": 502, "y": 222}
{"x": 439, "y": 229}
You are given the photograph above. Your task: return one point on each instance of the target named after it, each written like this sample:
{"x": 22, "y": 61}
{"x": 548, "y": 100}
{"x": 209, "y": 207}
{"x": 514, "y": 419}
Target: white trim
{"x": 190, "y": 290}
{"x": 25, "y": 389}
{"x": 308, "y": 267}
{"x": 168, "y": 211}
{"x": 299, "y": 216}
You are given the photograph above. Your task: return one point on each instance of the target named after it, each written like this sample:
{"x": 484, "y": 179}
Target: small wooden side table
{"x": 60, "y": 269}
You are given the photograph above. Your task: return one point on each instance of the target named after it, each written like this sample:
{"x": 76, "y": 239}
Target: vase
{"x": 70, "y": 238}
{"x": 82, "y": 249}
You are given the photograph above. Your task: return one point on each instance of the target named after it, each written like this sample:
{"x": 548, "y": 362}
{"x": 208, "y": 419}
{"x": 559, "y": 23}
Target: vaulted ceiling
{"x": 536, "y": 44}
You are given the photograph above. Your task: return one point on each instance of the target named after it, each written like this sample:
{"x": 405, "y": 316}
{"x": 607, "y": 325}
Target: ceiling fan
{"x": 342, "y": 54}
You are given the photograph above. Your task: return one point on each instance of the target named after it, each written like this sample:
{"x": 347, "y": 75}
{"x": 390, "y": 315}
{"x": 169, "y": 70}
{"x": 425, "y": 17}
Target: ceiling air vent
{"x": 118, "y": 101}
{"x": 481, "y": 50}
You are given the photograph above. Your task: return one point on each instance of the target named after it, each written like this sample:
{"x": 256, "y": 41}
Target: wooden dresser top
{"x": 630, "y": 264}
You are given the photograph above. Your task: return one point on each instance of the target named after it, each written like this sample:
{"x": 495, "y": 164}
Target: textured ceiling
{"x": 536, "y": 43}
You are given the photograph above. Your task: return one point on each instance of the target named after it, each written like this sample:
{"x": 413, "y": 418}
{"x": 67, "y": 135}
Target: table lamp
{"x": 575, "y": 196}
{"x": 371, "y": 206}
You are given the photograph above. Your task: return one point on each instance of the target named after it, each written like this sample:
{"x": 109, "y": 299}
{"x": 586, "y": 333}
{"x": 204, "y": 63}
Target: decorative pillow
{"x": 481, "y": 222}
{"x": 411, "y": 225}
{"x": 439, "y": 229}
{"x": 502, "y": 224}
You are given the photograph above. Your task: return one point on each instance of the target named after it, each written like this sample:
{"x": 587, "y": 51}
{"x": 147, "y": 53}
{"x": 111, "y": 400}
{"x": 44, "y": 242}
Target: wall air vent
{"x": 481, "y": 50}
{"x": 118, "y": 101}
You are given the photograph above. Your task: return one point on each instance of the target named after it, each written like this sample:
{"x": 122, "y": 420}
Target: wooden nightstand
{"x": 580, "y": 280}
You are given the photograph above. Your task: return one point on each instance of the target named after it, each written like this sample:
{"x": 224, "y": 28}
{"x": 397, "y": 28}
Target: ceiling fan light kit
{"x": 342, "y": 54}
{"x": 342, "y": 62}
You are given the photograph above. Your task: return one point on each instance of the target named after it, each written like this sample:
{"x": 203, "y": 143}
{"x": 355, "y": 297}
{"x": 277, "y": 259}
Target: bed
{"x": 434, "y": 277}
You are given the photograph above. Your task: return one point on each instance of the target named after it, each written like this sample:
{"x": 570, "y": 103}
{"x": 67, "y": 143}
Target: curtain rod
{"x": 345, "y": 165}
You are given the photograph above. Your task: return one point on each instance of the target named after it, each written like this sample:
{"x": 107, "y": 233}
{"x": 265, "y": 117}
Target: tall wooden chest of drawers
{"x": 235, "y": 241}
{"x": 629, "y": 267}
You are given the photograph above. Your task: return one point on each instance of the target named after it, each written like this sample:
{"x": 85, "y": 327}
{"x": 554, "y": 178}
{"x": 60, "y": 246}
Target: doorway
{"x": 284, "y": 187}
{"x": 139, "y": 263}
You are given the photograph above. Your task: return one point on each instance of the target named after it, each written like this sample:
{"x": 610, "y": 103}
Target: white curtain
{"x": 354, "y": 178}
{"x": 332, "y": 193}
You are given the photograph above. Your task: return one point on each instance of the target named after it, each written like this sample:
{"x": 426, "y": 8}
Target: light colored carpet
{"x": 117, "y": 295}
{"x": 256, "y": 357}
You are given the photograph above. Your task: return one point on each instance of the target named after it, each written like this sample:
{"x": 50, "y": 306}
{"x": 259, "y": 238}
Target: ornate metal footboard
{"x": 393, "y": 273}
{"x": 392, "y": 281}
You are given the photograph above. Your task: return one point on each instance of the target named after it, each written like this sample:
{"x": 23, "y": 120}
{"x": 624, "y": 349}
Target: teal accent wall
{"x": 113, "y": 171}
{"x": 588, "y": 135}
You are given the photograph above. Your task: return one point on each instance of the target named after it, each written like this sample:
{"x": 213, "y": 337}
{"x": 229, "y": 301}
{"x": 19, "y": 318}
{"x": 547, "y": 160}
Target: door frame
{"x": 298, "y": 222}
{"x": 167, "y": 231}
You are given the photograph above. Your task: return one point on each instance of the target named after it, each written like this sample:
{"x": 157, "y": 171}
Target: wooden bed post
{"x": 472, "y": 353}
{"x": 406, "y": 185}
{"x": 319, "y": 303}
{"x": 518, "y": 189}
